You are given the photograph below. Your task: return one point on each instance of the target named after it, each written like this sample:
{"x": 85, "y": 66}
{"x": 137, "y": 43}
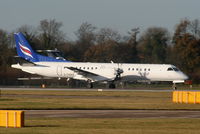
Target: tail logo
{"x": 25, "y": 50}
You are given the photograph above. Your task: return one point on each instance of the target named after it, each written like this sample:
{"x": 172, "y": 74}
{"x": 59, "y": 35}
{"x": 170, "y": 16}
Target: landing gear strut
{"x": 111, "y": 85}
{"x": 90, "y": 84}
{"x": 174, "y": 86}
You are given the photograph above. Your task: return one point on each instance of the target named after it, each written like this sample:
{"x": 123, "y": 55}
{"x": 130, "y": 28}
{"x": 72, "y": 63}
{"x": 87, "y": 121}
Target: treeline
{"x": 92, "y": 44}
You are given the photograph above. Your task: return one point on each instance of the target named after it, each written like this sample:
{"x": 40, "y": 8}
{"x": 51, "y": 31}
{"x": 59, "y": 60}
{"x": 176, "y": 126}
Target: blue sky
{"x": 121, "y": 15}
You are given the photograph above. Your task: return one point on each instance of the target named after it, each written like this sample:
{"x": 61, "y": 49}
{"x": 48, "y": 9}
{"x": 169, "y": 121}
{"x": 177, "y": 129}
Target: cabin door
{"x": 59, "y": 71}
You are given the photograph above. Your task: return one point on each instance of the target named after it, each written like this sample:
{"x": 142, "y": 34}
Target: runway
{"x": 86, "y": 89}
{"x": 113, "y": 113}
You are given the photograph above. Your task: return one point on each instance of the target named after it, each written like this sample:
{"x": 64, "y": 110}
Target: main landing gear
{"x": 112, "y": 85}
{"x": 90, "y": 84}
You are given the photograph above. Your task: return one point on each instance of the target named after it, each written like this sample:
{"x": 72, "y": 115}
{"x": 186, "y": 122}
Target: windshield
{"x": 172, "y": 69}
{"x": 175, "y": 69}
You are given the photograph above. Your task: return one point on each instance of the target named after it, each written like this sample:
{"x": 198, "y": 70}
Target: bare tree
{"x": 187, "y": 26}
{"x": 30, "y": 33}
{"x": 195, "y": 28}
{"x": 3, "y": 38}
{"x": 50, "y": 34}
{"x": 133, "y": 35}
{"x": 107, "y": 34}
{"x": 5, "y": 51}
{"x": 85, "y": 33}
{"x": 86, "y": 38}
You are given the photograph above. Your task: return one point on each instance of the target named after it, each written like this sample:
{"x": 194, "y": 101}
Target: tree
{"x": 110, "y": 47}
{"x": 69, "y": 50}
{"x": 110, "y": 51}
{"x": 153, "y": 45}
{"x": 132, "y": 45}
{"x": 187, "y": 50}
{"x": 86, "y": 32}
{"x": 187, "y": 46}
{"x": 31, "y": 35}
{"x": 107, "y": 34}
{"x": 180, "y": 30}
{"x": 187, "y": 27}
{"x": 195, "y": 28}
{"x": 50, "y": 34}
{"x": 86, "y": 38}
{"x": 105, "y": 52}
{"x": 5, "y": 57}
{"x": 4, "y": 49}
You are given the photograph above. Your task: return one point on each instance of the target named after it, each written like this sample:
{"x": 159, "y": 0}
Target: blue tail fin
{"x": 24, "y": 50}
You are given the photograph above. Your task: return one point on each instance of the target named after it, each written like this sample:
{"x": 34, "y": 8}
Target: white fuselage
{"x": 106, "y": 71}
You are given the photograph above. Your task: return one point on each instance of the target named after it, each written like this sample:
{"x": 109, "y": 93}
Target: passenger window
{"x": 145, "y": 69}
{"x": 136, "y": 69}
{"x": 133, "y": 69}
{"x": 149, "y": 69}
{"x": 83, "y": 67}
{"x": 129, "y": 69}
{"x": 95, "y": 67}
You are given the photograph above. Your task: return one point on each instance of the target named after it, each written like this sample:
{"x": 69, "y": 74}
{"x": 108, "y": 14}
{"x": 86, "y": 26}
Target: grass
{"x": 106, "y": 126}
{"x": 89, "y": 100}
{"x": 98, "y": 100}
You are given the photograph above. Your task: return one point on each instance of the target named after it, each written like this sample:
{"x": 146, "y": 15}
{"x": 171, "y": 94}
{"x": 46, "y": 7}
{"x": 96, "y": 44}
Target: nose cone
{"x": 184, "y": 76}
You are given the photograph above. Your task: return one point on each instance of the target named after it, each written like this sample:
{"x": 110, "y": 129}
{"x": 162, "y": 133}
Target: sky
{"x": 120, "y": 15}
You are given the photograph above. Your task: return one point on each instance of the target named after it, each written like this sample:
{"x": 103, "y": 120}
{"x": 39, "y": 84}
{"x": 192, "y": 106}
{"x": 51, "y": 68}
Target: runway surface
{"x": 86, "y": 89}
{"x": 113, "y": 113}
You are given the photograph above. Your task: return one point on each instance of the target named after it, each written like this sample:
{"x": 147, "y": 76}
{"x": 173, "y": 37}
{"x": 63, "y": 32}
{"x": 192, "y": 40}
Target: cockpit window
{"x": 170, "y": 69}
{"x": 175, "y": 69}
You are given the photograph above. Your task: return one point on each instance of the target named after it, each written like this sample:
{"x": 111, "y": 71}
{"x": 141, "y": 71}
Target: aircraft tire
{"x": 90, "y": 85}
{"x": 112, "y": 85}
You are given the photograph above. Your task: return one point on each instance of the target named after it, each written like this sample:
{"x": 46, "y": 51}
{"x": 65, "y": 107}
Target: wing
{"x": 88, "y": 75}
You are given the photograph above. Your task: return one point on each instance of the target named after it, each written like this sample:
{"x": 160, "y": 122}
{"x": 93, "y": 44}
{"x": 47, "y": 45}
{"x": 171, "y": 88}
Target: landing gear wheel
{"x": 174, "y": 86}
{"x": 90, "y": 85}
{"x": 112, "y": 85}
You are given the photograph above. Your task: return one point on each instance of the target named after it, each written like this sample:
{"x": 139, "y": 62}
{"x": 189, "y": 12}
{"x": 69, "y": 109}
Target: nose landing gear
{"x": 174, "y": 86}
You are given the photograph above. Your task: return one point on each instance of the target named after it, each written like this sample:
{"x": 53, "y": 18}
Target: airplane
{"x": 92, "y": 72}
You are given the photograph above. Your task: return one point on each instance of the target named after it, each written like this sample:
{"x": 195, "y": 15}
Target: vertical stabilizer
{"x": 24, "y": 49}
